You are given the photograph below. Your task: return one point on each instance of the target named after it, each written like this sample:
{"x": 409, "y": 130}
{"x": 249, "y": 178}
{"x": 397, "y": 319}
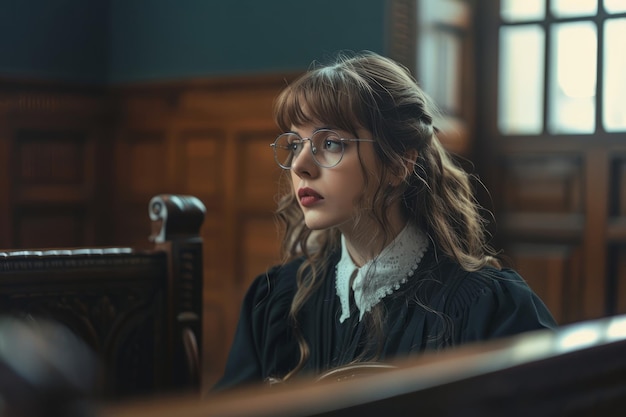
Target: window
{"x": 562, "y": 66}
{"x": 434, "y": 39}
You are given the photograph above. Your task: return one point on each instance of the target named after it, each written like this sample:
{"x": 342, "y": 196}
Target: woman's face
{"x": 328, "y": 196}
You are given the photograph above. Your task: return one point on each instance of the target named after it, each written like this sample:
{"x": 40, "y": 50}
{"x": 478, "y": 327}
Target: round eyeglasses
{"x": 327, "y": 148}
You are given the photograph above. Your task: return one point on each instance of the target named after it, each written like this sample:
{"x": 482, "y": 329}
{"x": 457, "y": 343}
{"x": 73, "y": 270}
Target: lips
{"x": 308, "y": 196}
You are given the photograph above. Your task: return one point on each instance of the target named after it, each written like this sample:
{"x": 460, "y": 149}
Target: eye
{"x": 332, "y": 143}
{"x": 294, "y": 144}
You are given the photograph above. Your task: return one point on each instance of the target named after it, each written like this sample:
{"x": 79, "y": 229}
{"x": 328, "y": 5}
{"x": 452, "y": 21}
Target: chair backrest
{"x": 140, "y": 311}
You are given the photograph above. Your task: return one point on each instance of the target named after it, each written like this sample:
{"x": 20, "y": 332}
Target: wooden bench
{"x": 140, "y": 311}
{"x": 578, "y": 370}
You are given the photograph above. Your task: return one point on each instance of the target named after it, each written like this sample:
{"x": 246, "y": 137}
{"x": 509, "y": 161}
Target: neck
{"x": 369, "y": 240}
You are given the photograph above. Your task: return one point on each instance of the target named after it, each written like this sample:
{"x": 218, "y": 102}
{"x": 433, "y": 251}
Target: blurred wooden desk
{"x": 579, "y": 370}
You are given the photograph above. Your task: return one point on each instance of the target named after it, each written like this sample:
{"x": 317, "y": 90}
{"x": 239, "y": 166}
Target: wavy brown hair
{"x": 371, "y": 92}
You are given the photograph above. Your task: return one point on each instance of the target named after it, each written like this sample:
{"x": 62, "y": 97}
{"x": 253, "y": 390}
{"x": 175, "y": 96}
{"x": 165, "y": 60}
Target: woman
{"x": 385, "y": 250}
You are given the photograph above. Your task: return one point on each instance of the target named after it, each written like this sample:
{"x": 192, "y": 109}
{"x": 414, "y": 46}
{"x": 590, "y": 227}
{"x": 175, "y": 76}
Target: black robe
{"x": 441, "y": 306}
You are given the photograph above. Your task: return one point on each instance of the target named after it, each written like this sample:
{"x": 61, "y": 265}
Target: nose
{"x": 303, "y": 163}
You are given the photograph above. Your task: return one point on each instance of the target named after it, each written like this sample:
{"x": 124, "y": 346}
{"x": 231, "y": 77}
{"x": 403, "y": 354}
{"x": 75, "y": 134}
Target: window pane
{"x": 520, "y": 90}
{"x": 614, "y": 103}
{"x": 439, "y": 64}
{"x": 615, "y": 6}
{"x": 450, "y": 50}
{"x": 519, "y": 11}
{"x": 573, "y": 78}
{"x": 443, "y": 84}
{"x": 569, "y": 8}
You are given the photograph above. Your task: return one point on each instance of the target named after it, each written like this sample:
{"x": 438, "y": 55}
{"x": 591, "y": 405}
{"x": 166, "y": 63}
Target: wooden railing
{"x": 578, "y": 370}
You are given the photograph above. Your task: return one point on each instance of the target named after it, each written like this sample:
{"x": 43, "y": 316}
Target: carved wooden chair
{"x": 140, "y": 311}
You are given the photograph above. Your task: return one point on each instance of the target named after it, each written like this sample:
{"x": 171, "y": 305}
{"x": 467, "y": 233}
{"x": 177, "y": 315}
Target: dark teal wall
{"x": 191, "y": 38}
{"x": 54, "y": 39}
{"x": 119, "y": 41}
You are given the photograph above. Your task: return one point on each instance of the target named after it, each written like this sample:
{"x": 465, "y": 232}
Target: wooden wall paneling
{"x": 51, "y": 133}
{"x": 554, "y": 273}
{"x": 209, "y": 139}
{"x": 617, "y": 271}
{"x": 215, "y": 269}
{"x": 402, "y": 39}
{"x": 199, "y": 171}
{"x": 249, "y": 176}
{"x": 51, "y": 227}
{"x": 259, "y": 247}
{"x": 543, "y": 183}
{"x": 140, "y": 173}
{"x": 146, "y": 164}
{"x": 89, "y": 161}
{"x": 200, "y": 163}
{"x": 249, "y": 241}
{"x": 596, "y": 188}
{"x": 53, "y": 166}
{"x": 225, "y": 100}
{"x": 617, "y": 198}
{"x": 141, "y": 139}
{"x": 217, "y": 336}
{"x": 219, "y": 310}
{"x": 597, "y": 228}
{"x": 228, "y": 103}
{"x": 6, "y": 225}
{"x": 230, "y": 233}
{"x": 617, "y": 234}
{"x": 258, "y": 181}
{"x": 257, "y": 187}
{"x": 141, "y": 106}
{"x": 543, "y": 225}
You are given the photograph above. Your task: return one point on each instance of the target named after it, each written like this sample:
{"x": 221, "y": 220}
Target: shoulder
{"x": 494, "y": 302}
{"x": 468, "y": 287}
{"x": 463, "y": 288}
{"x": 278, "y": 282}
{"x": 481, "y": 304}
{"x": 443, "y": 280}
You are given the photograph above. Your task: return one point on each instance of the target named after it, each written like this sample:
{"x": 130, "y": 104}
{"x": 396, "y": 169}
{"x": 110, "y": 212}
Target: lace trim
{"x": 381, "y": 276}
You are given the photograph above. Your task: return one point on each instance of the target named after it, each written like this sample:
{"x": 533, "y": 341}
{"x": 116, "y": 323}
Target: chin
{"x": 322, "y": 224}
{"x": 316, "y": 226}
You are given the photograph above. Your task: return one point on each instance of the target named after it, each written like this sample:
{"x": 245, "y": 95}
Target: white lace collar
{"x": 382, "y": 275}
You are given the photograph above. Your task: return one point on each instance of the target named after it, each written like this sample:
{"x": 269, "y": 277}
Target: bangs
{"x": 328, "y": 95}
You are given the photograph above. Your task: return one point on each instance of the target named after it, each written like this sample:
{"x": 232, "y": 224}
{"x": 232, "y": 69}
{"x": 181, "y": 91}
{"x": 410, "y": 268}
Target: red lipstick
{"x": 308, "y": 196}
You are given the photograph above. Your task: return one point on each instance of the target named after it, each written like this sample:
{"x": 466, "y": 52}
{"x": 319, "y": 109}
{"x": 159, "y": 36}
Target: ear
{"x": 409, "y": 159}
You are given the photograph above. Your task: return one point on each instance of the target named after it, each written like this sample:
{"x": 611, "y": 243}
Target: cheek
{"x": 366, "y": 188}
{"x": 350, "y": 186}
{"x": 294, "y": 179}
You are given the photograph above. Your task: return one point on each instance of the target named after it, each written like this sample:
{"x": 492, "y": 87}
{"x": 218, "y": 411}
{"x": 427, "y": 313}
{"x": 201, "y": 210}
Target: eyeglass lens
{"x": 326, "y": 147}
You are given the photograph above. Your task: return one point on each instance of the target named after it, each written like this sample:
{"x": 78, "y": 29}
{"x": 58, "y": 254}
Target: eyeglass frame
{"x": 313, "y": 149}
